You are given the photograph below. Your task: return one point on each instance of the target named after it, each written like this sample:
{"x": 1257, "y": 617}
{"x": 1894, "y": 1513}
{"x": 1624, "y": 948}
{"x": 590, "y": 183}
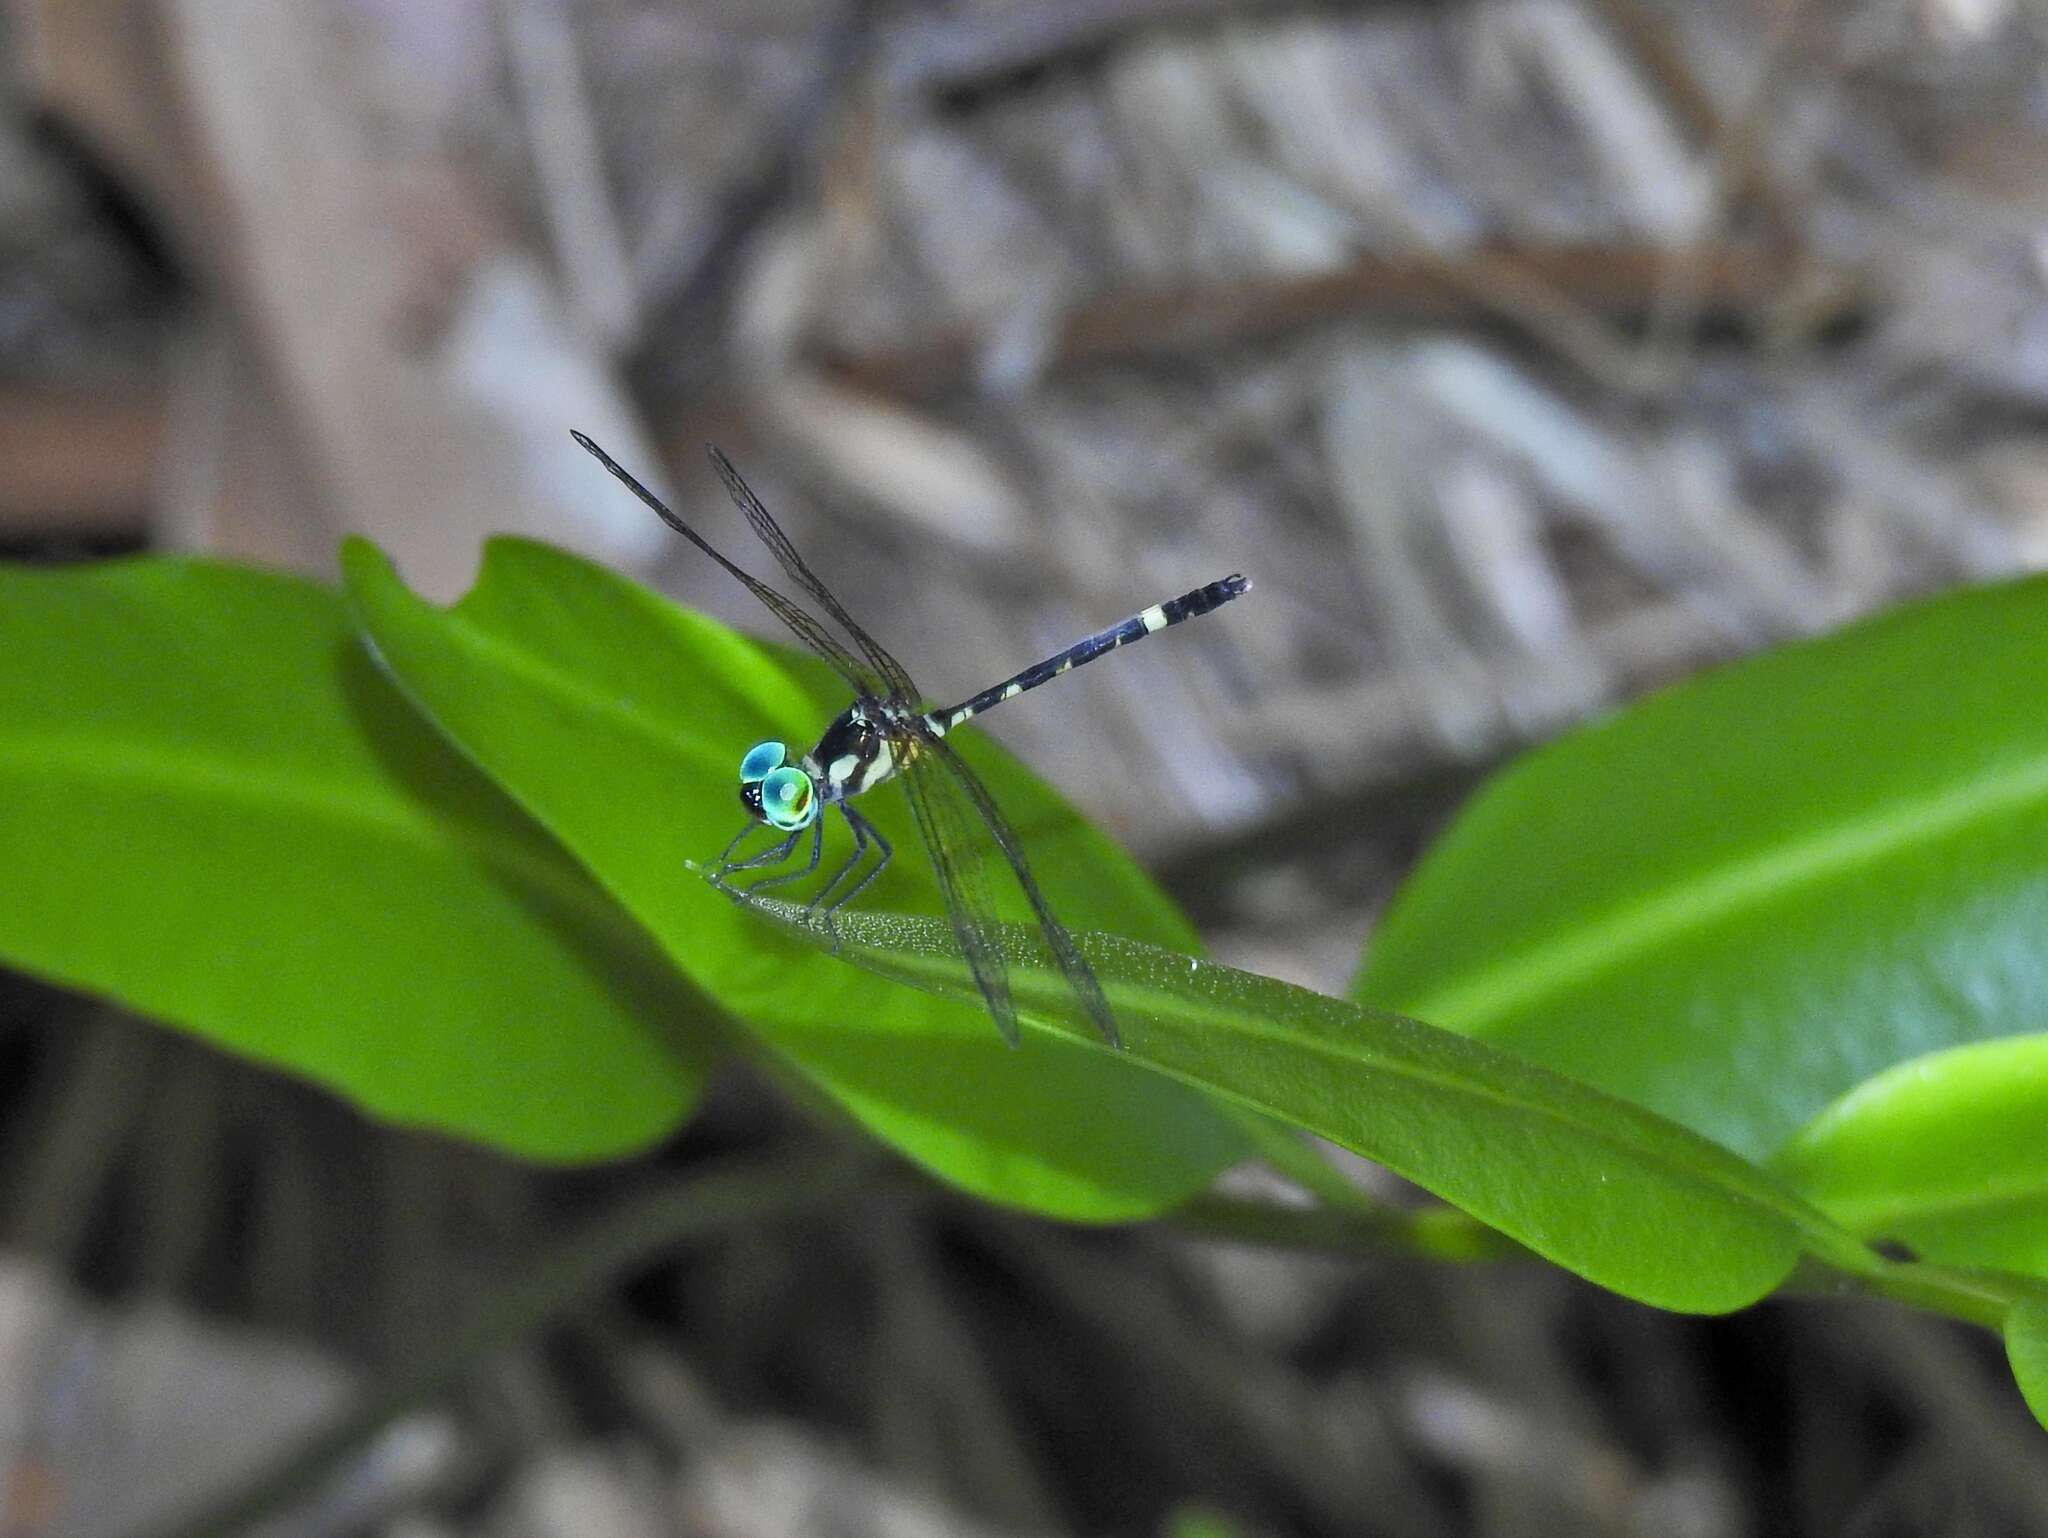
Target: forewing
{"x": 863, "y": 679}
{"x": 887, "y": 667}
{"x": 858, "y": 676}
{"x": 950, "y": 780}
{"x": 945, "y": 823}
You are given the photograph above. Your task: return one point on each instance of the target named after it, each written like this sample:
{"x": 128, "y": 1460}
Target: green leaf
{"x": 1199, "y": 1522}
{"x": 1944, "y": 1153}
{"x": 212, "y": 808}
{"x": 1739, "y": 898}
{"x": 1622, "y": 1197}
{"x": 2026, "y": 1348}
{"x": 619, "y": 720}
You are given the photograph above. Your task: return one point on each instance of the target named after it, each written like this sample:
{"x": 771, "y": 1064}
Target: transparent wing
{"x": 864, "y": 679}
{"x": 887, "y": 667}
{"x": 945, "y": 823}
{"x": 940, "y": 779}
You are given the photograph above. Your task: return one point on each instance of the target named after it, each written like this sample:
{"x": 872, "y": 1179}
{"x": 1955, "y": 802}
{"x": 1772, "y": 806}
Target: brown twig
{"x": 1649, "y": 38}
{"x": 1736, "y": 283}
{"x": 975, "y": 53}
{"x": 1737, "y": 142}
{"x": 691, "y": 306}
{"x": 78, "y": 464}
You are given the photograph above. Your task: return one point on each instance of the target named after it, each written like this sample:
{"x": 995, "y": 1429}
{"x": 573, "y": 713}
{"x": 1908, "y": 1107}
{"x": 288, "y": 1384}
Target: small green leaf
{"x": 1603, "y": 1188}
{"x": 2026, "y": 1348}
{"x": 1737, "y": 899}
{"x": 214, "y": 809}
{"x": 1944, "y": 1153}
{"x": 619, "y": 721}
{"x": 1199, "y": 1522}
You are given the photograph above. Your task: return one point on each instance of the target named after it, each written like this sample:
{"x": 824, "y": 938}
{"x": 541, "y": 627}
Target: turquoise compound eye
{"x": 762, "y": 759}
{"x": 787, "y": 801}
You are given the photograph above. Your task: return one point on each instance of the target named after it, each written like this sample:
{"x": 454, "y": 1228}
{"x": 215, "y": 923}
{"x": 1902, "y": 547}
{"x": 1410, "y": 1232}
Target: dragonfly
{"x": 889, "y": 734}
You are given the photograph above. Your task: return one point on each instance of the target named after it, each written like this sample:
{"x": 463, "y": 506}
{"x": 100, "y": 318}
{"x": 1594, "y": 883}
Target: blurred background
{"x": 1527, "y": 354}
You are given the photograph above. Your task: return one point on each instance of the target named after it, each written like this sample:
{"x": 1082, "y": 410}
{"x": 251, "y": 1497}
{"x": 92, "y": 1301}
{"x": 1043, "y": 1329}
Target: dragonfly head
{"x": 776, "y": 791}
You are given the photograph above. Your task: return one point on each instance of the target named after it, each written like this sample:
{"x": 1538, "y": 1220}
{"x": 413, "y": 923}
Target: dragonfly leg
{"x": 725, "y": 860}
{"x": 863, "y": 833}
{"x": 762, "y": 883}
{"x": 774, "y": 855}
{"x": 866, "y": 832}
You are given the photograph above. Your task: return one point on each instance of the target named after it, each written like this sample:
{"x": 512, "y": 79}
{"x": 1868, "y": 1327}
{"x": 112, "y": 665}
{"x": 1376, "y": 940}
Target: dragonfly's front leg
{"x": 774, "y": 855}
{"x": 817, "y": 848}
{"x": 725, "y": 859}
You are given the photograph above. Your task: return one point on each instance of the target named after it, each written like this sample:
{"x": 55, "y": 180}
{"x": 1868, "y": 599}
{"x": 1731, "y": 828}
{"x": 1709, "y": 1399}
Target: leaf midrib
{"x": 1801, "y": 1227}
{"x": 197, "y": 773}
{"x": 1609, "y": 941}
{"x": 1670, "y": 1165}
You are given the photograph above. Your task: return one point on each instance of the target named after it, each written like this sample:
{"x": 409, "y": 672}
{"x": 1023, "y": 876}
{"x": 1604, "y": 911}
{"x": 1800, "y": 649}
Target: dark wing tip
{"x": 1234, "y": 584}
{"x": 589, "y": 446}
{"x": 735, "y": 484}
{"x": 1092, "y": 1000}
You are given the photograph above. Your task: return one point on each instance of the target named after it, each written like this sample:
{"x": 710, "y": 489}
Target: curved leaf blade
{"x": 1624, "y": 1198}
{"x": 1943, "y": 1153}
{"x": 1738, "y": 898}
{"x": 618, "y": 720}
{"x": 213, "y": 809}
{"x": 2026, "y": 1348}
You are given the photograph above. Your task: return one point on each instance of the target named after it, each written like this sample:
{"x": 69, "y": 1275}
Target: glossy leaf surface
{"x": 1739, "y": 898}
{"x": 1944, "y": 1153}
{"x": 215, "y": 810}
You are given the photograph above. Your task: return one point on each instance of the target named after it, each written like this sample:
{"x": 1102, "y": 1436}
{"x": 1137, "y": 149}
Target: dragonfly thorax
{"x": 867, "y": 744}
